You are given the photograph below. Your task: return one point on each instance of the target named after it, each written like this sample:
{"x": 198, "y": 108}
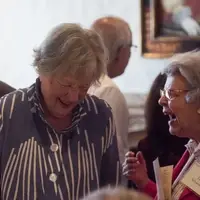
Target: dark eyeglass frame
{"x": 135, "y": 46}
{"x": 70, "y": 87}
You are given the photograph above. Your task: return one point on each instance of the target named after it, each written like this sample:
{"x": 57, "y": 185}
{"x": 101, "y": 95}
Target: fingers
{"x": 140, "y": 157}
{"x": 129, "y": 154}
{"x": 131, "y": 166}
{"x": 130, "y": 160}
{"x": 129, "y": 171}
{"x": 129, "y": 174}
{"x": 132, "y": 171}
{"x": 133, "y": 163}
{"x": 130, "y": 157}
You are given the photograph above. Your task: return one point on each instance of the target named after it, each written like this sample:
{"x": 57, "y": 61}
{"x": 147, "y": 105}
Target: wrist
{"x": 142, "y": 184}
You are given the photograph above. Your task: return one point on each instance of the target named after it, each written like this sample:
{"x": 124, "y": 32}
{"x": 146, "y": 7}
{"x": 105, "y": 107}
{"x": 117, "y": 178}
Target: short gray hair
{"x": 71, "y": 50}
{"x": 118, "y": 193}
{"x": 187, "y": 65}
{"x": 115, "y": 33}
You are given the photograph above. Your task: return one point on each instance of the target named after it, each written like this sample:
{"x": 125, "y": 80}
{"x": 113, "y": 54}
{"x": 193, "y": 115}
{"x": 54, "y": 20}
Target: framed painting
{"x": 153, "y": 48}
{"x": 175, "y": 20}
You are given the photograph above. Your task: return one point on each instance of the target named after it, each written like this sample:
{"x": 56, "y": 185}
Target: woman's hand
{"x": 134, "y": 168}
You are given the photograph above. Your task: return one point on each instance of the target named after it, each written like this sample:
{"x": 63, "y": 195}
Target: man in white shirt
{"x": 117, "y": 37}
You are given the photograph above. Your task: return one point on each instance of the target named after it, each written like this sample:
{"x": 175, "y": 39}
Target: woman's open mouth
{"x": 172, "y": 117}
{"x": 64, "y": 104}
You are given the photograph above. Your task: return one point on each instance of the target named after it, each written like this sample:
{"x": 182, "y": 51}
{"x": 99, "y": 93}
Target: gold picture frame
{"x": 163, "y": 29}
{"x": 153, "y": 48}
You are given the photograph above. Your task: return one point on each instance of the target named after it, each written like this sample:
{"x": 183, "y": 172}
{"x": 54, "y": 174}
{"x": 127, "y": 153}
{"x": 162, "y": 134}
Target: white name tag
{"x": 192, "y": 178}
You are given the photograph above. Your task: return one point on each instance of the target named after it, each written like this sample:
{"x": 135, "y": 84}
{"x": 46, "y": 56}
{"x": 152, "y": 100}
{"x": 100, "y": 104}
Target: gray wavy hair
{"x": 115, "y": 33}
{"x": 118, "y": 193}
{"x": 188, "y": 66}
{"x": 70, "y": 50}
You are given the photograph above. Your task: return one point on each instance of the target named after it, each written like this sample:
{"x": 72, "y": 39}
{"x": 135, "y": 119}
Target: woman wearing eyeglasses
{"x": 57, "y": 142}
{"x": 180, "y": 100}
{"x": 159, "y": 142}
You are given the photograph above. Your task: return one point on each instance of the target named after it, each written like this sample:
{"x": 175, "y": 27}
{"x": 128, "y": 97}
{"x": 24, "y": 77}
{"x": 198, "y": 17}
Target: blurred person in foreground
{"x": 116, "y": 194}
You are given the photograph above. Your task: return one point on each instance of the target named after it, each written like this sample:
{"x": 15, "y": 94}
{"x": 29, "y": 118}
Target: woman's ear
{"x": 120, "y": 52}
{"x": 46, "y": 79}
{"x": 198, "y": 111}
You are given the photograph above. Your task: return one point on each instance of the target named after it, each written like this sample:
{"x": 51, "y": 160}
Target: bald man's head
{"x": 117, "y": 36}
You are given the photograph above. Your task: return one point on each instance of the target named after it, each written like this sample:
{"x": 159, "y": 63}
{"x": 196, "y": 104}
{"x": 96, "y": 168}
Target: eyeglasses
{"x": 133, "y": 46}
{"x": 65, "y": 88}
{"x": 171, "y": 94}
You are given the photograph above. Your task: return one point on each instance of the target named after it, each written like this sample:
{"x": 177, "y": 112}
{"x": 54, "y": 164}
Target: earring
{"x": 198, "y": 111}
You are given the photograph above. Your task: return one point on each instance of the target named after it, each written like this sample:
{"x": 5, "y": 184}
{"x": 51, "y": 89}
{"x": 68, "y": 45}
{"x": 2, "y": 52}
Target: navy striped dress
{"x": 39, "y": 163}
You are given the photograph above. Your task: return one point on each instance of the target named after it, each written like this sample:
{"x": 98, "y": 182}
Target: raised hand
{"x": 134, "y": 168}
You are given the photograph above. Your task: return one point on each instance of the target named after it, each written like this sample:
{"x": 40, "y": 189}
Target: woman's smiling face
{"x": 184, "y": 120}
{"x": 61, "y": 96}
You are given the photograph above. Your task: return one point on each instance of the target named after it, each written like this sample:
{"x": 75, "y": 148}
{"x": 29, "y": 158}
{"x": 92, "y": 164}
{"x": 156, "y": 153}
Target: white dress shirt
{"x": 108, "y": 91}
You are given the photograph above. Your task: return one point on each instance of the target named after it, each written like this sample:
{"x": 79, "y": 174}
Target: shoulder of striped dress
{"x": 93, "y": 104}
{"x": 13, "y": 99}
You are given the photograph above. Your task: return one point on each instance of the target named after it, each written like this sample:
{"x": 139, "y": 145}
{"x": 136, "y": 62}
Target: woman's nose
{"x": 163, "y": 100}
{"x": 73, "y": 95}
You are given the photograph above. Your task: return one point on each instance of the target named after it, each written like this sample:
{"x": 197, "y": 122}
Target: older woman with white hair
{"x": 118, "y": 193}
{"x": 57, "y": 142}
{"x": 180, "y": 100}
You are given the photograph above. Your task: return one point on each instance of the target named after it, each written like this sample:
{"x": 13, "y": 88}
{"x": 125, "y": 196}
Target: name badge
{"x": 192, "y": 178}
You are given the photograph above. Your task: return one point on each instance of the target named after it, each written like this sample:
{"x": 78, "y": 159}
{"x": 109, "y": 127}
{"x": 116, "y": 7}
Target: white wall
{"x": 25, "y": 22}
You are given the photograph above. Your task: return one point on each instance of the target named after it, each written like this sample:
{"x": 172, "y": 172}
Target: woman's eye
{"x": 83, "y": 88}
{"x": 173, "y": 94}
